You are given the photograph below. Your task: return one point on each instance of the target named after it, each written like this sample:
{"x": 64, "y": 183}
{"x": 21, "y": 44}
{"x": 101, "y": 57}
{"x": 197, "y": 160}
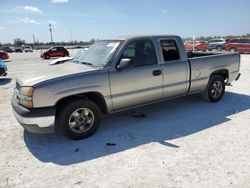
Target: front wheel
{"x": 232, "y": 50}
{"x": 47, "y": 57}
{"x": 215, "y": 89}
{"x": 219, "y": 48}
{"x": 78, "y": 119}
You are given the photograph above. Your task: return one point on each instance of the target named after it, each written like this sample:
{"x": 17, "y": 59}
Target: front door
{"x": 139, "y": 83}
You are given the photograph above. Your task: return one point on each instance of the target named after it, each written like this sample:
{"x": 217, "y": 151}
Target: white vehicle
{"x": 27, "y": 49}
{"x": 64, "y": 59}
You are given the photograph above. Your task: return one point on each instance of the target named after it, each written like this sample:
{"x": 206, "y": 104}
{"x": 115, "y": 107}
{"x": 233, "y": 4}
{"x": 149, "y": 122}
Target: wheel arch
{"x": 222, "y": 72}
{"x": 94, "y": 96}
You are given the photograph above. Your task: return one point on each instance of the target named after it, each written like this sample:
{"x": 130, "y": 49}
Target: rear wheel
{"x": 78, "y": 119}
{"x": 215, "y": 89}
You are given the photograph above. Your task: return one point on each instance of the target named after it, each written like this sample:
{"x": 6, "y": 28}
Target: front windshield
{"x": 99, "y": 54}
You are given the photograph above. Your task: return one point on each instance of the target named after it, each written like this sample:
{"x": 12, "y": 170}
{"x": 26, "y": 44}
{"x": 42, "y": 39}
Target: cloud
{"x": 27, "y": 20}
{"x": 164, "y": 11}
{"x": 2, "y": 28}
{"x": 52, "y": 22}
{"x": 31, "y": 8}
{"x": 59, "y": 1}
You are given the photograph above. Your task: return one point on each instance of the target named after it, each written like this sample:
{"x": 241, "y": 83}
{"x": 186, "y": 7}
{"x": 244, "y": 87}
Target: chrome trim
{"x": 21, "y": 96}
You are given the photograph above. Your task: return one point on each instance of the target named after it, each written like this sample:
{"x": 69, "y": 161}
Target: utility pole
{"x": 71, "y": 36}
{"x": 34, "y": 39}
{"x": 50, "y": 30}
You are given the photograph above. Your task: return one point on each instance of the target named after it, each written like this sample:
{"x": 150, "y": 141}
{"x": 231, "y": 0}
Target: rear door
{"x": 248, "y": 45}
{"x": 139, "y": 83}
{"x": 245, "y": 45}
{"x": 175, "y": 69}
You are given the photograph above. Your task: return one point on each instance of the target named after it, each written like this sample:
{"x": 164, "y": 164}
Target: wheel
{"x": 215, "y": 89}
{"x": 219, "y": 48}
{"x": 210, "y": 50}
{"x": 47, "y": 57}
{"x": 232, "y": 50}
{"x": 204, "y": 50}
{"x": 78, "y": 119}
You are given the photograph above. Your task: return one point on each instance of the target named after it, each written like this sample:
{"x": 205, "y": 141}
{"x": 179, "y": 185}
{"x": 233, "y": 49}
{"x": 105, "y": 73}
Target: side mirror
{"x": 126, "y": 62}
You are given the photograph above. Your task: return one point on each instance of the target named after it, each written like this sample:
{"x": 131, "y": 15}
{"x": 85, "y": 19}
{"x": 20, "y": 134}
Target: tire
{"x": 215, "y": 89}
{"x": 78, "y": 119}
{"x": 218, "y": 48}
{"x": 47, "y": 57}
{"x": 210, "y": 50}
{"x": 232, "y": 50}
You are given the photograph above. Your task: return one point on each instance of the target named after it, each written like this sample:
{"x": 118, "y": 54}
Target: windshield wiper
{"x": 86, "y": 63}
{"x": 90, "y": 64}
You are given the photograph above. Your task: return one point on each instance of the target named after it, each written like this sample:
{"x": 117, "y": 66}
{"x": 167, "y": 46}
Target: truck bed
{"x": 202, "y": 65}
{"x": 199, "y": 54}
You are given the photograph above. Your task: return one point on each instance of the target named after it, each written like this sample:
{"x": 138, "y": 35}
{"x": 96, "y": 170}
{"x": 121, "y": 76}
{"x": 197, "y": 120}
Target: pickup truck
{"x": 115, "y": 75}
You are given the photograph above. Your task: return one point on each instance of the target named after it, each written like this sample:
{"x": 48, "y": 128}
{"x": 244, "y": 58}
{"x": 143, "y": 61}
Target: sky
{"x": 83, "y": 20}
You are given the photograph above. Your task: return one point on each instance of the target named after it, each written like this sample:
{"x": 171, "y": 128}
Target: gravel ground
{"x": 180, "y": 143}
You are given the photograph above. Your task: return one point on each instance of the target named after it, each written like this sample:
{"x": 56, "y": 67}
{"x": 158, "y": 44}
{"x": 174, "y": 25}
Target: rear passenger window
{"x": 243, "y": 40}
{"x": 170, "y": 50}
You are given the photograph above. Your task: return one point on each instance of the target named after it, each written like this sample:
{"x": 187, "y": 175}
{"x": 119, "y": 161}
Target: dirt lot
{"x": 181, "y": 143}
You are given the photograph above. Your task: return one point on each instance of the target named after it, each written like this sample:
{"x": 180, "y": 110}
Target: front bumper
{"x": 40, "y": 120}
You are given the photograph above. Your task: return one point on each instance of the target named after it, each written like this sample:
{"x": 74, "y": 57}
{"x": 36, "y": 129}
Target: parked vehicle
{"x": 4, "y": 55}
{"x": 18, "y": 49}
{"x": 3, "y": 68}
{"x": 218, "y": 44}
{"x": 56, "y": 51}
{"x": 241, "y": 45}
{"x": 8, "y": 49}
{"x": 27, "y": 49}
{"x": 115, "y": 75}
{"x": 65, "y": 59}
{"x": 196, "y": 45}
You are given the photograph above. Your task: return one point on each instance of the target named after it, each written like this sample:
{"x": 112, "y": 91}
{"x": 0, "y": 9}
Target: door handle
{"x": 156, "y": 72}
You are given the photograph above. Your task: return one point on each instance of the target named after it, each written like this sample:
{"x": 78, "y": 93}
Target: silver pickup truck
{"x": 115, "y": 75}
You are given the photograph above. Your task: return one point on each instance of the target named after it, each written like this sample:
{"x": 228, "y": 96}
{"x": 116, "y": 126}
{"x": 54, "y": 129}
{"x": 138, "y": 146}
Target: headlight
{"x": 26, "y": 103}
{"x": 26, "y": 91}
{"x": 25, "y": 96}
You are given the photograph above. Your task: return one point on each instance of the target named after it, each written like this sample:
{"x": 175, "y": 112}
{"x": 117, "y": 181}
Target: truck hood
{"x": 52, "y": 72}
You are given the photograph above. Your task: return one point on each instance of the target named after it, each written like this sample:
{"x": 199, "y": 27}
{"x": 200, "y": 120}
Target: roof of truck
{"x": 128, "y": 37}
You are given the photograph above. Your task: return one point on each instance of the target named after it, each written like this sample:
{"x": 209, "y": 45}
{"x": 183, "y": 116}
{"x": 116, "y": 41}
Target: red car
{"x": 55, "y": 52}
{"x": 4, "y": 55}
{"x": 198, "y": 46}
{"x": 241, "y": 45}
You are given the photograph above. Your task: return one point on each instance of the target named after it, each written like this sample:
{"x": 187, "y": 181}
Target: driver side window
{"x": 141, "y": 53}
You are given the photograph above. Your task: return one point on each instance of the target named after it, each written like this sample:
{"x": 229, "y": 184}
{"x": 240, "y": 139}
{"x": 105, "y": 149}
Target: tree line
{"x": 20, "y": 42}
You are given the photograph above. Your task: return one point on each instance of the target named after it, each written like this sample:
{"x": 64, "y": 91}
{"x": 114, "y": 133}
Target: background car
{"x": 55, "y": 52}
{"x": 3, "y": 68}
{"x": 18, "y": 49}
{"x": 218, "y": 44}
{"x": 8, "y": 49}
{"x": 198, "y": 46}
{"x": 241, "y": 45}
{"x": 27, "y": 49}
{"x": 4, "y": 55}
